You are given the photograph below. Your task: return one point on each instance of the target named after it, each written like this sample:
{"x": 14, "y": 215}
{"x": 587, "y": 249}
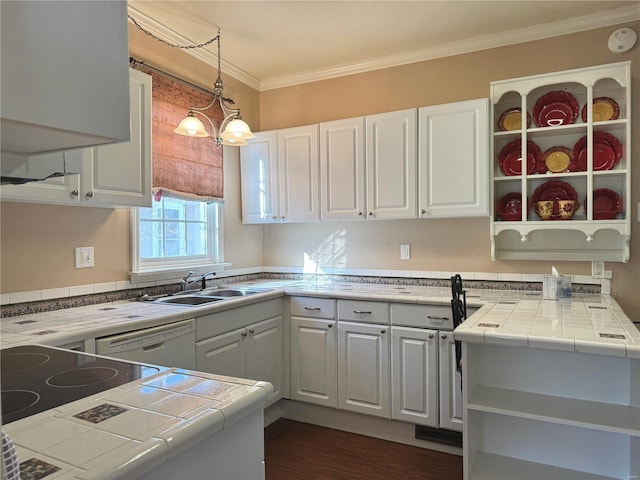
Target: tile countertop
{"x": 128, "y": 431}
{"x": 593, "y": 323}
{"x": 587, "y": 324}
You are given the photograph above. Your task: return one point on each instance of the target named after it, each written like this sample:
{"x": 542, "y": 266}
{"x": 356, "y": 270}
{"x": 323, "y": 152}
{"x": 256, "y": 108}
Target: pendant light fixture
{"x": 233, "y": 131}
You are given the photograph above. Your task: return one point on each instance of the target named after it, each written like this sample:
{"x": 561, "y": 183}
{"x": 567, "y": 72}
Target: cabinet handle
{"x": 364, "y": 312}
{"x": 371, "y": 214}
{"x": 431, "y": 317}
{"x": 243, "y": 334}
{"x": 313, "y": 309}
{"x": 383, "y": 331}
{"x": 431, "y": 335}
{"x": 89, "y": 194}
{"x": 74, "y": 193}
{"x": 330, "y": 325}
{"x": 443, "y": 337}
{"x": 252, "y": 331}
{"x": 423, "y": 211}
{"x": 274, "y": 218}
{"x": 283, "y": 217}
{"x": 359, "y": 214}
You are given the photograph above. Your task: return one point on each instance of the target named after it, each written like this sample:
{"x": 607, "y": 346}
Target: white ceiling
{"x": 270, "y": 44}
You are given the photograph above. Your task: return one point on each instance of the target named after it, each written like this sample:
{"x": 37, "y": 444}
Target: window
{"x": 176, "y": 234}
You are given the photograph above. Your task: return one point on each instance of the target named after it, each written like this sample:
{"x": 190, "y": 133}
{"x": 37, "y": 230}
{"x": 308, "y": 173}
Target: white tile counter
{"x": 142, "y": 425}
{"x": 587, "y": 324}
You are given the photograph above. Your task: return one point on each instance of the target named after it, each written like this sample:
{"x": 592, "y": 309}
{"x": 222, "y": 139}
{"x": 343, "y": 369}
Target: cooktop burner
{"x": 36, "y": 378}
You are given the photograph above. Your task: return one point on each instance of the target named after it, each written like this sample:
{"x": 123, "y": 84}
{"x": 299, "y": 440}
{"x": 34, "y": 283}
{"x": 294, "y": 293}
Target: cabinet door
{"x": 391, "y": 163}
{"x": 120, "y": 174}
{"x": 453, "y": 154}
{"x": 363, "y": 368}
{"x": 342, "y": 178}
{"x": 450, "y": 385}
{"x": 259, "y": 178}
{"x": 298, "y": 174}
{"x": 414, "y": 376}
{"x": 264, "y": 354}
{"x": 63, "y": 189}
{"x": 222, "y": 354}
{"x": 314, "y": 361}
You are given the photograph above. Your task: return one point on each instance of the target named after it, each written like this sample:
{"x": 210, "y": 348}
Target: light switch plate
{"x": 84, "y": 257}
{"x": 405, "y": 252}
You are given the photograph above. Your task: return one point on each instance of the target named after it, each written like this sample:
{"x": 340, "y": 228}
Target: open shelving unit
{"x": 583, "y": 236}
{"x": 535, "y": 413}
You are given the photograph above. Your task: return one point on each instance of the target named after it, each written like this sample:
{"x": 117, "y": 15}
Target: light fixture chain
{"x": 199, "y": 45}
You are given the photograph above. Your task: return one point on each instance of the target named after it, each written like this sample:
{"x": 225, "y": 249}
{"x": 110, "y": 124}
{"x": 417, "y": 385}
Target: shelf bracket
{"x": 524, "y": 237}
{"x": 589, "y": 238}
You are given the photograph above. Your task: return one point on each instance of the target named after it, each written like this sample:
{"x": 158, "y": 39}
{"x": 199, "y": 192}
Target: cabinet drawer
{"x": 363, "y": 311}
{"x": 422, "y": 316}
{"x": 313, "y": 307}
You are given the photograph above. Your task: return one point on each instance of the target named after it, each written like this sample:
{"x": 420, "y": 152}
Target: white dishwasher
{"x": 172, "y": 345}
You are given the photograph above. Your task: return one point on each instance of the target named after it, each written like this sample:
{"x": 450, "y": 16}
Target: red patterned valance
{"x": 183, "y": 164}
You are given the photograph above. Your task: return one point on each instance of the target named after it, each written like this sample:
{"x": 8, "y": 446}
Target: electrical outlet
{"x": 597, "y": 269}
{"x": 84, "y": 257}
{"x": 405, "y": 252}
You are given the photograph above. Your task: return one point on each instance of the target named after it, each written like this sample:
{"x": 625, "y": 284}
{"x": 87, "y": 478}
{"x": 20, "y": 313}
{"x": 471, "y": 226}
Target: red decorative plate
{"x": 509, "y": 206}
{"x": 555, "y": 114}
{"x": 604, "y": 146}
{"x": 557, "y": 96}
{"x": 607, "y": 204}
{"x": 511, "y": 119}
{"x": 604, "y": 108}
{"x": 512, "y": 164}
{"x": 516, "y": 146}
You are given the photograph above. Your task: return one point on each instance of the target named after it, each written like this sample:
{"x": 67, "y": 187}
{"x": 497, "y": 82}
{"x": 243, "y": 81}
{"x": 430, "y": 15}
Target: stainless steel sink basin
{"x": 226, "y": 292}
{"x": 189, "y": 300}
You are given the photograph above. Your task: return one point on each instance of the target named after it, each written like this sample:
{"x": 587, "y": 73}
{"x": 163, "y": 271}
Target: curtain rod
{"x": 134, "y": 63}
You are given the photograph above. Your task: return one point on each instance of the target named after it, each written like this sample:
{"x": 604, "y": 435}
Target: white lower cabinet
{"x": 414, "y": 375}
{"x": 449, "y": 384}
{"x": 252, "y": 351}
{"x": 314, "y": 370}
{"x": 363, "y": 368}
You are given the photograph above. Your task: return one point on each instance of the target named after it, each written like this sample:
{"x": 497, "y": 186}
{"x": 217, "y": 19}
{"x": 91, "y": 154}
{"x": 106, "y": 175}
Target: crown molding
{"x": 511, "y": 37}
{"x": 165, "y": 33}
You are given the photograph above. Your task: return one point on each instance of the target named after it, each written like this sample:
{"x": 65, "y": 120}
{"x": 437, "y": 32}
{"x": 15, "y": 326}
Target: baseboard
{"x": 368, "y": 425}
{"x": 272, "y": 413}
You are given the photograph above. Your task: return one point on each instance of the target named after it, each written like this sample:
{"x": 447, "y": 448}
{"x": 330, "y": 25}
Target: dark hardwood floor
{"x": 295, "y": 450}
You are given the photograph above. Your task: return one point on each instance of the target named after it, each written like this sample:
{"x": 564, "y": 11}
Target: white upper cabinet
{"x": 298, "y": 170}
{"x": 453, "y": 150}
{"x": 280, "y": 176}
{"x": 64, "y": 75}
{"x": 342, "y": 170}
{"x": 391, "y": 164}
{"x": 259, "y": 177}
{"x": 116, "y": 175}
{"x": 120, "y": 174}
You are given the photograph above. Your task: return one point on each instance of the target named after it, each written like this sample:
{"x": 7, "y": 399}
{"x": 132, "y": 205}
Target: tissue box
{"x": 556, "y": 286}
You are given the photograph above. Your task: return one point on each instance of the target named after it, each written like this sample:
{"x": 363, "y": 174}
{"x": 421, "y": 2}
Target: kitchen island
{"x": 552, "y": 390}
{"x": 161, "y": 423}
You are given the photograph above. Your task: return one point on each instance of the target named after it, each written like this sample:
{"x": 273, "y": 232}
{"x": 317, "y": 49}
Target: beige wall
{"x": 37, "y": 241}
{"x": 454, "y": 244}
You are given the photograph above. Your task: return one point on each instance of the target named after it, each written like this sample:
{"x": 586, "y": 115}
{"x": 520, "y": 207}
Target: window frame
{"x": 169, "y": 269}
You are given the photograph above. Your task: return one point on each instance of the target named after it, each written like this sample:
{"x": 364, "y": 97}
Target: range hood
{"x": 20, "y": 169}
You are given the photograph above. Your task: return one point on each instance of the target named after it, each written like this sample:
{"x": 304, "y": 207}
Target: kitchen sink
{"x": 226, "y": 292}
{"x": 189, "y": 300}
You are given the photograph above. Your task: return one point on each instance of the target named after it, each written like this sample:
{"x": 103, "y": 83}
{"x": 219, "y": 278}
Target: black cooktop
{"x": 36, "y": 378}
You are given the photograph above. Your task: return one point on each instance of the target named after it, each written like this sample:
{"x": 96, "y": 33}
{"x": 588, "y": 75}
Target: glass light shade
{"x": 234, "y": 142}
{"x": 191, "y": 126}
{"x": 237, "y": 129}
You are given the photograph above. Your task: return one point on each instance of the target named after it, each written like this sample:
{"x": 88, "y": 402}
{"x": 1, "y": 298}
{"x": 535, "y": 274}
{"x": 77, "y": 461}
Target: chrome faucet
{"x": 202, "y": 278}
